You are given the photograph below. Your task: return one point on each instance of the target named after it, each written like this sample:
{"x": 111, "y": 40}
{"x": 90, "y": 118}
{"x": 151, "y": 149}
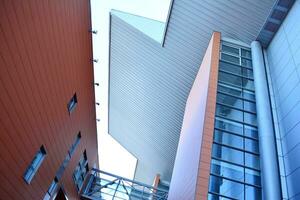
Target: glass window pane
{"x": 230, "y": 79}
{"x": 246, "y": 53}
{"x": 252, "y": 177}
{"x": 251, "y": 145}
{"x": 226, "y": 187}
{"x": 250, "y": 118}
{"x": 249, "y": 95}
{"x": 229, "y": 58}
{"x": 252, "y": 193}
{"x": 247, "y": 73}
{"x": 251, "y": 161}
{"x": 230, "y": 68}
{"x": 228, "y": 154}
{"x": 216, "y": 197}
{"x": 249, "y": 106}
{"x": 229, "y": 125}
{"x": 228, "y": 139}
{"x": 246, "y": 63}
{"x": 230, "y": 49}
{"x": 248, "y": 84}
{"x": 230, "y": 90}
{"x": 229, "y": 100}
{"x": 229, "y": 113}
{"x": 227, "y": 170}
{"x": 251, "y": 131}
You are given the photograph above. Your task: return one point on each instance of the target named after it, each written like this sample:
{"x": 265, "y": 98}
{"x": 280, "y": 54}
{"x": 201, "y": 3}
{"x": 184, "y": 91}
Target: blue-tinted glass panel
{"x": 249, "y": 95}
{"x": 231, "y": 68}
{"x": 248, "y": 84}
{"x": 251, "y": 131}
{"x": 228, "y": 154}
{"x": 230, "y": 90}
{"x": 227, "y": 170}
{"x": 216, "y": 197}
{"x": 231, "y": 50}
{"x": 246, "y": 63}
{"x": 252, "y": 161}
{"x": 247, "y": 73}
{"x": 249, "y": 106}
{"x": 230, "y": 101}
{"x": 229, "y": 113}
{"x": 250, "y": 118}
{"x": 228, "y": 125}
{"x": 251, "y": 145}
{"x": 252, "y": 177}
{"x": 230, "y": 79}
{"x": 229, "y": 58}
{"x": 228, "y": 139}
{"x": 252, "y": 193}
{"x": 226, "y": 187}
{"x": 246, "y": 53}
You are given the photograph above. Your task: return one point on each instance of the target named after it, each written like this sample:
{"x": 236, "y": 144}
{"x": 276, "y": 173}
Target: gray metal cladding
{"x": 149, "y": 84}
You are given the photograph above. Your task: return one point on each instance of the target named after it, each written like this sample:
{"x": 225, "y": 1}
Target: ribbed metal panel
{"x": 149, "y": 84}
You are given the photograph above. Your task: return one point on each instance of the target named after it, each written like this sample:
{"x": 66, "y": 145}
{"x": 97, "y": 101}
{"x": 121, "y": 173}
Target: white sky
{"x": 113, "y": 157}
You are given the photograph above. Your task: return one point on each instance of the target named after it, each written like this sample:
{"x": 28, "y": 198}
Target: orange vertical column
{"x": 208, "y": 129}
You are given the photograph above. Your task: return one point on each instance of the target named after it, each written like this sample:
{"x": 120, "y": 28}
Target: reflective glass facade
{"x": 235, "y": 167}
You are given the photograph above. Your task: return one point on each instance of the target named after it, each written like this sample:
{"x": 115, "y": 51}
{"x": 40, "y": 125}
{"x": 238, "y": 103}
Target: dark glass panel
{"x": 251, "y": 131}
{"x": 249, "y": 95}
{"x": 246, "y": 53}
{"x": 247, "y": 73}
{"x": 246, "y": 63}
{"x": 249, "y": 106}
{"x": 229, "y": 100}
{"x": 250, "y": 119}
{"x": 248, "y": 84}
{"x": 230, "y": 90}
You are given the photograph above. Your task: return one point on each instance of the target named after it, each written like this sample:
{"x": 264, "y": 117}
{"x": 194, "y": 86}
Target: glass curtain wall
{"x": 235, "y": 168}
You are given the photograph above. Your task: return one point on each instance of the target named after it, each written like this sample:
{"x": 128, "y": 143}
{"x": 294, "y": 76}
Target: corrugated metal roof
{"x": 149, "y": 84}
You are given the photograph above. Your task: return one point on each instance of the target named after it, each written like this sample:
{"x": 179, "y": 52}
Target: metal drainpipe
{"x": 267, "y": 145}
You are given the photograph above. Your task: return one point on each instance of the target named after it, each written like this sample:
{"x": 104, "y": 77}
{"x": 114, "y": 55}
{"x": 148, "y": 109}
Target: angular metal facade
{"x": 149, "y": 84}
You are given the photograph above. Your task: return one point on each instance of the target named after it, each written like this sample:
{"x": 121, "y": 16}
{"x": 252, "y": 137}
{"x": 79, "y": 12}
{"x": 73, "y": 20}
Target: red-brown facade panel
{"x": 46, "y": 51}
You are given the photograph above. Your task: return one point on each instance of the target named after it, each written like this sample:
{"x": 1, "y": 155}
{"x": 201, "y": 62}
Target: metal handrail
{"x": 94, "y": 189}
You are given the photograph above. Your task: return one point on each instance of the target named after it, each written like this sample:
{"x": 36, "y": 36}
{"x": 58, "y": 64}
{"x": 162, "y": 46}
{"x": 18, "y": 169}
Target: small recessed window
{"x": 75, "y": 144}
{"x": 51, "y": 190}
{"x": 81, "y": 171}
{"x": 34, "y": 165}
{"x": 72, "y": 103}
